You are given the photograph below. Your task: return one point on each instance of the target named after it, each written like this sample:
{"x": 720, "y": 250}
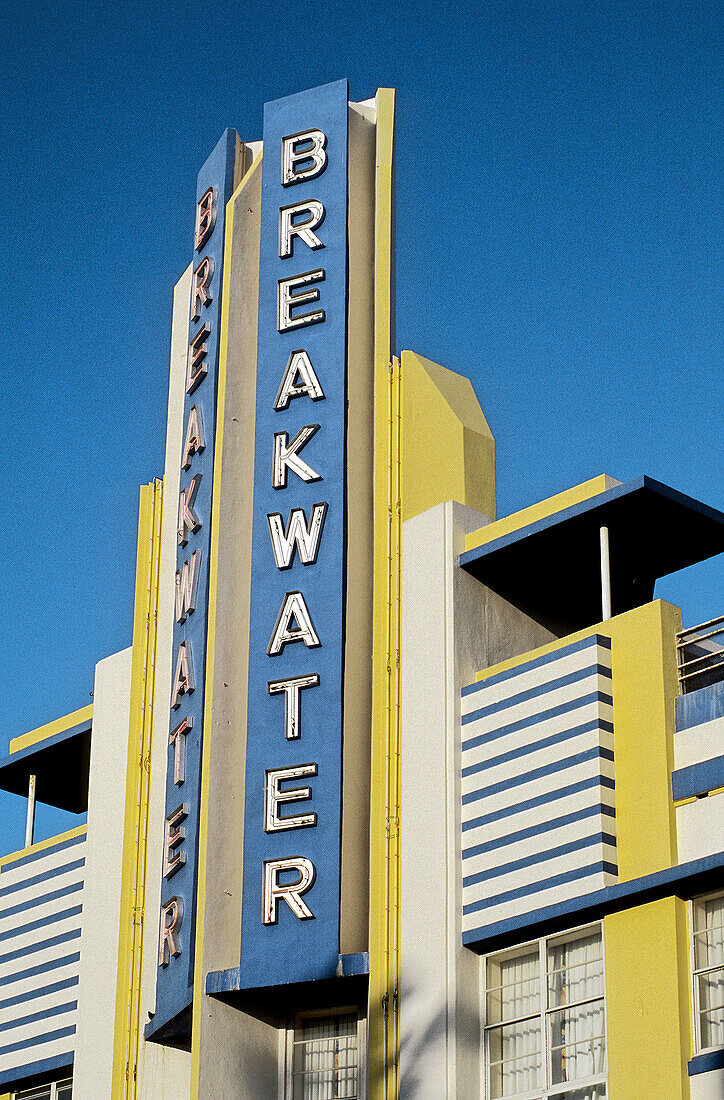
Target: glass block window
{"x": 708, "y": 959}
{"x": 545, "y": 1031}
{"x": 325, "y": 1056}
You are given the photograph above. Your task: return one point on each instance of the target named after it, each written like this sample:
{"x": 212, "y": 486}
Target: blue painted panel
{"x": 174, "y": 986}
{"x": 705, "y": 1063}
{"x": 707, "y": 775}
{"x": 697, "y": 707}
{"x": 294, "y": 950}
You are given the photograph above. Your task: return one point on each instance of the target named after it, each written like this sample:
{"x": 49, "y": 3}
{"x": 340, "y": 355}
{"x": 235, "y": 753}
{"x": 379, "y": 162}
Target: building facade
{"x": 389, "y": 797}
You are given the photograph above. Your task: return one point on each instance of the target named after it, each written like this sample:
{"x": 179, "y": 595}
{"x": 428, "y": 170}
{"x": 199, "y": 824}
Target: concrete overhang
{"x": 550, "y": 569}
{"x": 59, "y": 761}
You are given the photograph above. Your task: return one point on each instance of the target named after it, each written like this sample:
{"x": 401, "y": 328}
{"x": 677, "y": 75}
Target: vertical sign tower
{"x": 180, "y": 854}
{"x": 292, "y": 819}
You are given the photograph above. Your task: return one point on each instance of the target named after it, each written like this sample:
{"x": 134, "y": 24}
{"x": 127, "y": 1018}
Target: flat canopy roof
{"x": 550, "y": 569}
{"x": 61, "y": 764}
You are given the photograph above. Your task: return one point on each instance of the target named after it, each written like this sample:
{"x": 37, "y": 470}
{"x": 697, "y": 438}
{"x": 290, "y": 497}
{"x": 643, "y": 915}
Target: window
{"x": 708, "y": 960}
{"x": 55, "y": 1090}
{"x": 545, "y": 1031}
{"x": 324, "y": 1058}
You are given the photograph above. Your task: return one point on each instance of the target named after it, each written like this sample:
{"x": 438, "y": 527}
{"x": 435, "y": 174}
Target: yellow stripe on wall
{"x": 127, "y": 1031}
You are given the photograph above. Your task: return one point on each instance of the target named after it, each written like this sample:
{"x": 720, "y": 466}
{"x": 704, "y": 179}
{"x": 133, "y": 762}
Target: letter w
{"x": 187, "y": 583}
{"x": 305, "y": 536}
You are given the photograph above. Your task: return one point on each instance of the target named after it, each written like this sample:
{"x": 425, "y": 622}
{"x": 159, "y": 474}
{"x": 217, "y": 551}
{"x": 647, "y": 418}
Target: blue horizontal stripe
{"x": 704, "y": 1063}
{"x": 536, "y": 692}
{"x": 64, "y": 937}
{"x": 36, "y": 1040}
{"x": 42, "y": 899}
{"x": 537, "y": 830}
{"x": 74, "y": 911}
{"x": 539, "y": 662}
{"x": 540, "y": 857}
{"x": 44, "y": 1014}
{"x": 536, "y": 746}
{"x": 536, "y": 719}
{"x": 42, "y": 991}
{"x": 539, "y": 773}
{"x": 698, "y": 778}
{"x": 540, "y": 800}
{"x": 42, "y": 968}
{"x": 18, "y": 1075}
{"x": 51, "y": 850}
{"x": 686, "y": 880}
{"x": 545, "y": 884}
{"x": 52, "y": 873}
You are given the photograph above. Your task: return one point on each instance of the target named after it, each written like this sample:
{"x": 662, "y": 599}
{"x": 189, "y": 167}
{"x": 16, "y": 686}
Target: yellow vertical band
{"x": 127, "y": 1030}
{"x": 384, "y": 1036}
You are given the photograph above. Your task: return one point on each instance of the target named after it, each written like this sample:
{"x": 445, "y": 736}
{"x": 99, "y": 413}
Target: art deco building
{"x": 389, "y": 796}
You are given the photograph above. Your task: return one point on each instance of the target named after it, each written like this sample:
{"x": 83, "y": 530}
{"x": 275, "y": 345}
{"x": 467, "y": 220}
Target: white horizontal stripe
{"x": 36, "y": 958}
{"x": 38, "y": 935}
{"x": 40, "y": 1027}
{"x": 531, "y": 761}
{"x": 43, "y": 1050}
{"x": 524, "y": 681}
{"x": 558, "y": 697}
{"x": 499, "y": 857}
{"x": 514, "y": 796}
{"x": 47, "y": 977}
{"x": 537, "y": 872}
{"x": 532, "y": 902}
{"x": 47, "y": 886}
{"x": 11, "y": 873}
{"x": 37, "y": 1004}
{"x": 595, "y": 711}
{"x": 697, "y": 743}
{"x": 547, "y": 812}
{"x": 37, "y": 912}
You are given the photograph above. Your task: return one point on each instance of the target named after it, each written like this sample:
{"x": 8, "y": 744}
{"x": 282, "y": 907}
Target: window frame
{"x": 322, "y": 1014}
{"x": 34, "y": 1092}
{"x": 695, "y": 972}
{"x": 546, "y": 1091}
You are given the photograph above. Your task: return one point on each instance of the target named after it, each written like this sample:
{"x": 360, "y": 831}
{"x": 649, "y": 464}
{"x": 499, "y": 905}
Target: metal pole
{"x": 30, "y": 820}
{"x": 605, "y": 575}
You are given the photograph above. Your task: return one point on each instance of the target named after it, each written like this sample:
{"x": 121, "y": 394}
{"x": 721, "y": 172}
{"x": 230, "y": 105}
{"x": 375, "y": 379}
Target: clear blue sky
{"x": 558, "y": 240}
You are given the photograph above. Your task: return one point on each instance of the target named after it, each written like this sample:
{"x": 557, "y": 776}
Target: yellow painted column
{"x": 648, "y": 1004}
{"x": 128, "y": 1023}
{"x": 384, "y": 808}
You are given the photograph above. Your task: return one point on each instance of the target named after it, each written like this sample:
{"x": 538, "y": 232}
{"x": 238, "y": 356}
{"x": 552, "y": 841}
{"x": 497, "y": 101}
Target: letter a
{"x": 183, "y": 680}
{"x": 294, "y": 611}
{"x": 299, "y": 365}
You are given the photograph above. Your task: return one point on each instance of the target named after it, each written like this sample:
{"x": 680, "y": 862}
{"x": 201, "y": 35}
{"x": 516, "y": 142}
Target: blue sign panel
{"x": 174, "y": 987}
{"x": 292, "y": 818}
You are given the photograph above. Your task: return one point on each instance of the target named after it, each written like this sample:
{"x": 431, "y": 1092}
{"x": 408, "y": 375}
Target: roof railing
{"x": 699, "y": 657}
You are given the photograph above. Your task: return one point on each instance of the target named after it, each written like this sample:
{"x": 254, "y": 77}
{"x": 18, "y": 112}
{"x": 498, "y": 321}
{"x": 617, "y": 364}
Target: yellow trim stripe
{"x": 544, "y": 508}
{"x": 136, "y": 813}
{"x": 384, "y": 1036}
{"x": 199, "y": 992}
{"x": 33, "y": 737}
{"x": 40, "y": 845}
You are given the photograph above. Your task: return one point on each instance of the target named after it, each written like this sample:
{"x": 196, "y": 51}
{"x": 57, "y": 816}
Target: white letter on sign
{"x": 305, "y": 537}
{"x": 172, "y": 915}
{"x": 302, "y": 227}
{"x": 286, "y": 454}
{"x": 300, "y": 364}
{"x": 303, "y": 156}
{"x": 205, "y": 218}
{"x": 294, "y": 610}
{"x": 183, "y": 680}
{"x": 274, "y": 796}
{"x": 290, "y": 892}
{"x": 195, "y": 440}
{"x": 174, "y": 836}
{"x": 287, "y": 300}
{"x": 187, "y": 583}
{"x": 188, "y": 521}
{"x": 291, "y": 688}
